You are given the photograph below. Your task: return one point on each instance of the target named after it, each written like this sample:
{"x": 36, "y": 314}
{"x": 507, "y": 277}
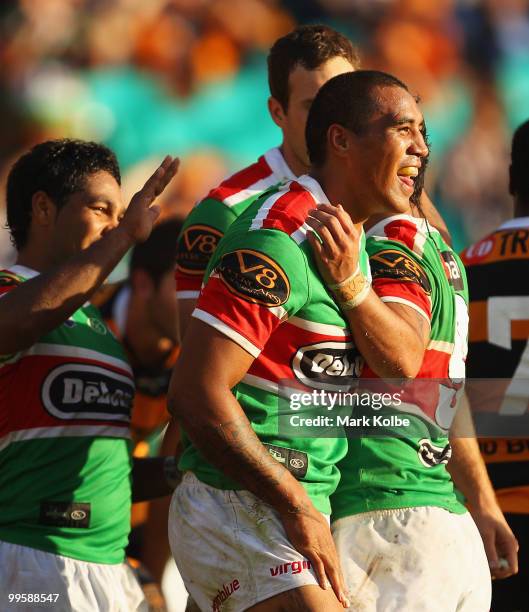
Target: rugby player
{"x": 66, "y": 388}
{"x": 298, "y": 65}
{"x": 261, "y": 315}
{"x": 403, "y": 538}
{"x": 497, "y": 268}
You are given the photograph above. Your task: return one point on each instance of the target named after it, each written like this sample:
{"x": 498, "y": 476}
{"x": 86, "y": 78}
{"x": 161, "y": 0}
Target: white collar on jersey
{"x": 314, "y": 187}
{"x": 515, "y": 223}
{"x": 420, "y": 222}
{"x": 274, "y": 158}
{"x": 23, "y": 271}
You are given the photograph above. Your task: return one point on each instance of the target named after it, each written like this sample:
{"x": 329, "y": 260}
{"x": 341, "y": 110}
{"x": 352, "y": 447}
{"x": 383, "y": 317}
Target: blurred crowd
{"x": 189, "y": 77}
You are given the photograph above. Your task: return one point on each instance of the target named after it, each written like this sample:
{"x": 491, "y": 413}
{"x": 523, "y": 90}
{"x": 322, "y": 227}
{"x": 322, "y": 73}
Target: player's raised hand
{"x": 141, "y": 213}
{"x": 337, "y": 254}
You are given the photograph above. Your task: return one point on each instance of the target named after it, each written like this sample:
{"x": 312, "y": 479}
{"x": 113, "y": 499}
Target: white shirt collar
{"x": 514, "y": 223}
{"x": 314, "y": 187}
{"x": 274, "y": 158}
{"x": 23, "y": 271}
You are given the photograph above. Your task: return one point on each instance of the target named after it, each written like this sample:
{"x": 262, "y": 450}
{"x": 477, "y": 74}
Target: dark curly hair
{"x": 308, "y": 46}
{"x": 59, "y": 168}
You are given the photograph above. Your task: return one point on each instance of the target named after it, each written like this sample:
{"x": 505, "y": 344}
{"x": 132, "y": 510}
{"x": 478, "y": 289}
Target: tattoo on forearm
{"x": 241, "y": 446}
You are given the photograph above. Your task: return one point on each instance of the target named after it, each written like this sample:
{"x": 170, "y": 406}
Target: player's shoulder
{"x": 412, "y": 234}
{"x": 286, "y": 209}
{"x": 245, "y": 183}
{"x": 508, "y": 242}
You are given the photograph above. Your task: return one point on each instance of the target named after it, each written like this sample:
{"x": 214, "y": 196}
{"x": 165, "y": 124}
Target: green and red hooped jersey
{"x": 212, "y": 216}
{"x": 265, "y": 293}
{"x": 65, "y": 458}
{"x": 412, "y": 265}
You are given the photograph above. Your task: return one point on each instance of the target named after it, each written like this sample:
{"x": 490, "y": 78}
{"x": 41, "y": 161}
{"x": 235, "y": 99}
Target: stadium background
{"x": 189, "y": 77}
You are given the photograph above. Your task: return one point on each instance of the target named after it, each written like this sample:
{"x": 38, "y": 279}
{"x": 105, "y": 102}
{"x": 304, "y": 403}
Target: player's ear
{"x": 275, "y": 108}
{"x": 338, "y": 139}
{"x": 43, "y": 210}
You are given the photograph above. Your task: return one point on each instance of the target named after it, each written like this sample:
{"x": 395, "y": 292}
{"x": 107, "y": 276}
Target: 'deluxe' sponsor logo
{"x": 226, "y": 591}
{"x": 77, "y": 391}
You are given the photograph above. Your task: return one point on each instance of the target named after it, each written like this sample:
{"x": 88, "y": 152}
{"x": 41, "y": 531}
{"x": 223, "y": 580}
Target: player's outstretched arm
{"x": 391, "y": 337}
{"x": 40, "y": 304}
{"x": 200, "y": 397}
{"x": 469, "y": 473}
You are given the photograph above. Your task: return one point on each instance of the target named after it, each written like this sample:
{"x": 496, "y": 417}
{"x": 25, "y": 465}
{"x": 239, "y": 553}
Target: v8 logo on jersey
{"x": 196, "y": 248}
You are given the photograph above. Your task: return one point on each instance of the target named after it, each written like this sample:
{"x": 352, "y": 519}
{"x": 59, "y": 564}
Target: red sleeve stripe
{"x": 228, "y": 331}
{"x": 399, "y": 300}
{"x": 243, "y": 184}
{"x": 186, "y": 283}
{"x": 408, "y": 291}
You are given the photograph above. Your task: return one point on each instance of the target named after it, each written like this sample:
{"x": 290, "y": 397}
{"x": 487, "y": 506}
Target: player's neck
{"x": 338, "y": 192}
{"x": 35, "y": 257}
{"x": 296, "y": 165}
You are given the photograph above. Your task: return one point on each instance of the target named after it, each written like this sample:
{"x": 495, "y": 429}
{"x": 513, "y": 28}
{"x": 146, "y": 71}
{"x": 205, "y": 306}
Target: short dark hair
{"x": 57, "y": 167}
{"x": 308, "y": 46}
{"x": 157, "y": 255}
{"x": 519, "y": 175}
{"x": 347, "y": 100}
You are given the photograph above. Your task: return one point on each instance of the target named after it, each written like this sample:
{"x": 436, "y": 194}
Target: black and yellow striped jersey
{"x": 498, "y": 278}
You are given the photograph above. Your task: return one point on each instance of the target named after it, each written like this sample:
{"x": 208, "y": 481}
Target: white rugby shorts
{"x": 230, "y": 548}
{"x": 413, "y": 560}
{"x": 75, "y": 586}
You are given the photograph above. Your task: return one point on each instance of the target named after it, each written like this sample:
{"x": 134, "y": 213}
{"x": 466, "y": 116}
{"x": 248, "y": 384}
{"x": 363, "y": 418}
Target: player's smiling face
{"x": 87, "y": 215}
{"x": 388, "y": 153}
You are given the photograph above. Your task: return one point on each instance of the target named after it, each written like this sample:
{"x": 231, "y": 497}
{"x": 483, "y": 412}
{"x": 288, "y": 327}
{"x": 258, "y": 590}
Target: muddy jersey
{"x": 265, "y": 293}
{"x": 64, "y": 439}
{"x": 411, "y": 265}
{"x": 212, "y": 216}
{"x": 498, "y": 279}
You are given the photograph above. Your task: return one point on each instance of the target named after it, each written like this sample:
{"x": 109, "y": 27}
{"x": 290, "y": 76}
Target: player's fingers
{"x": 169, "y": 172}
{"x": 511, "y": 554}
{"x": 319, "y": 570}
{"x": 151, "y": 184}
{"x": 335, "y": 576}
{"x": 330, "y": 248}
{"x": 315, "y": 244}
{"x": 333, "y": 224}
{"x": 340, "y": 213}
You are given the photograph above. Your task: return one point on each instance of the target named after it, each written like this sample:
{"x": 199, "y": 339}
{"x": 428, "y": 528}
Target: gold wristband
{"x": 350, "y": 288}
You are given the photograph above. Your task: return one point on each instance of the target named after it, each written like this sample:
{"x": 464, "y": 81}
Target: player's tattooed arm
{"x": 200, "y": 397}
